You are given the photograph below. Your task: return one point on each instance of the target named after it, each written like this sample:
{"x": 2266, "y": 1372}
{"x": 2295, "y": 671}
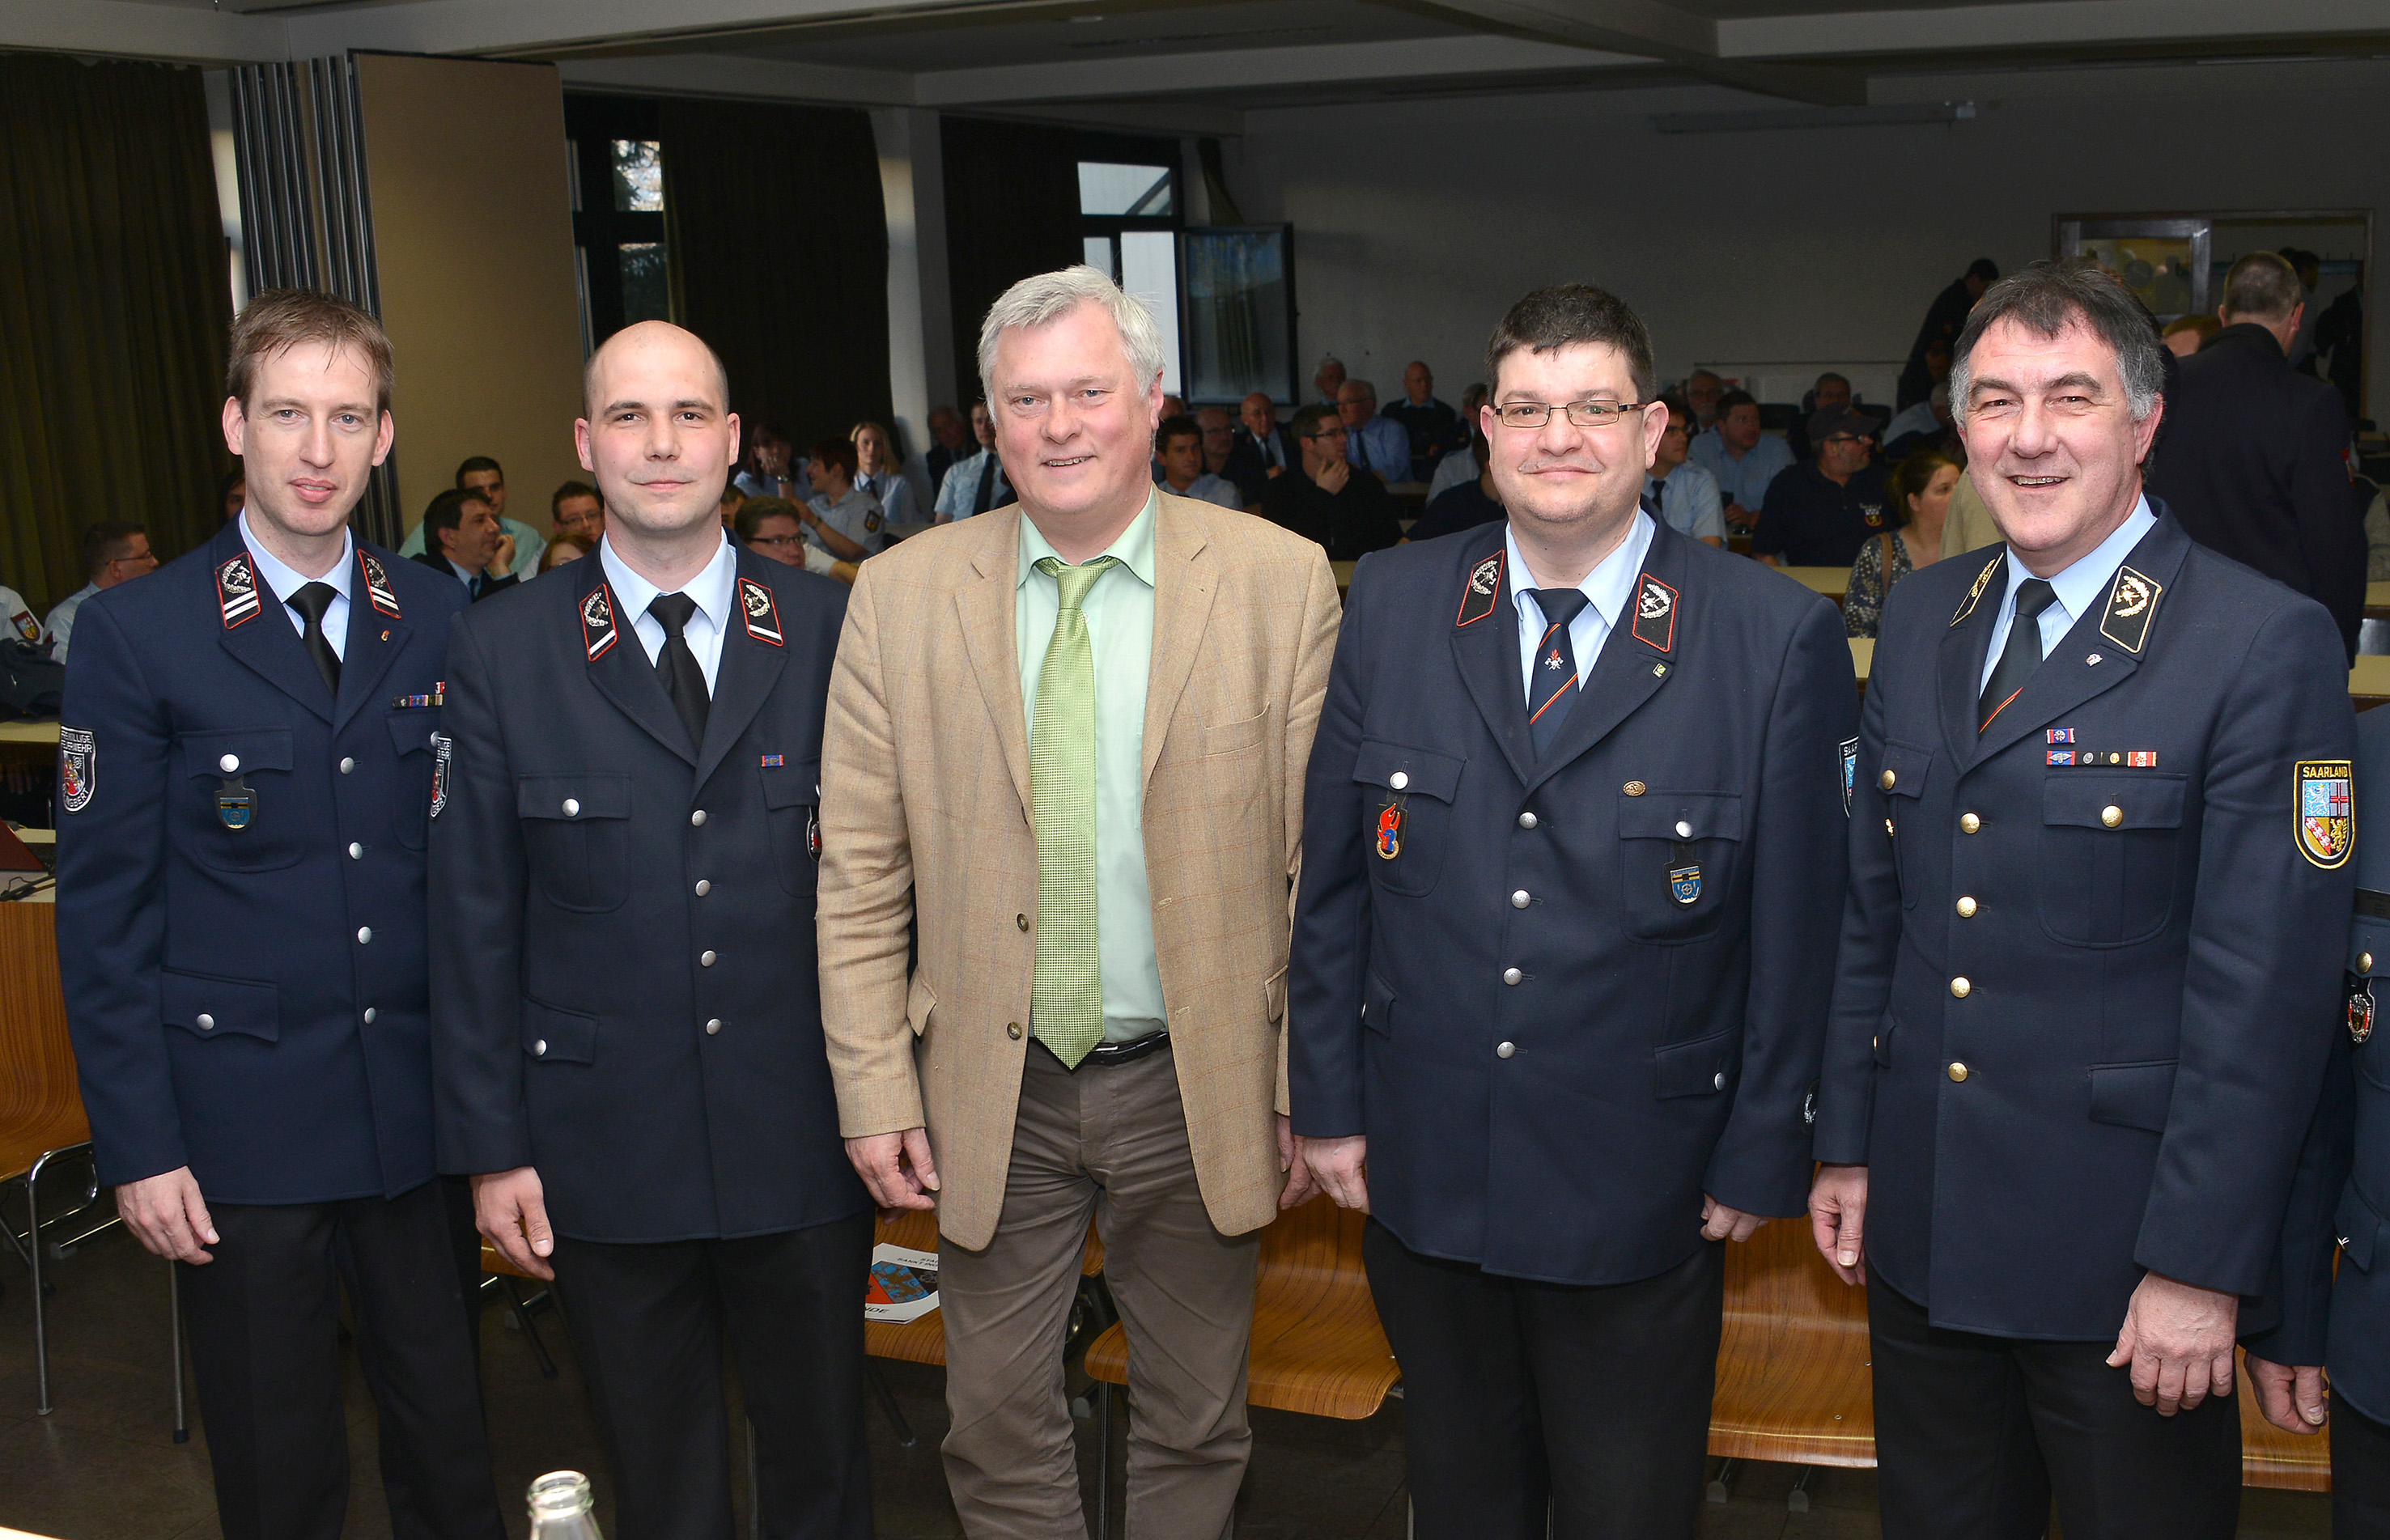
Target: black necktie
{"x": 985, "y": 498}
{"x": 1552, "y": 679}
{"x": 311, "y": 600}
{"x": 2023, "y": 654}
{"x": 676, "y": 668}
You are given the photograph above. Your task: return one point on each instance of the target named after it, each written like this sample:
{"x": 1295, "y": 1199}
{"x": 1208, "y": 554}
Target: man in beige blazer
{"x": 1065, "y": 749}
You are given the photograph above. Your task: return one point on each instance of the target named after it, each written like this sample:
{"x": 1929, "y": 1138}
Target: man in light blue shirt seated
{"x": 1179, "y": 444}
{"x": 975, "y": 483}
{"x": 1740, "y": 457}
{"x": 482, "y": 475}
{"x": 1380, "y": 446}
{"x": 112, "y": 553}
{"x": 1683, "y": 495}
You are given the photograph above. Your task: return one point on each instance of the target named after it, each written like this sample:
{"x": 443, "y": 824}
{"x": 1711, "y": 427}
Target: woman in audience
{"x": 561, "y": 549}
{"x": 881, "y": 473}
{"x": 768, "y": 469}
{"x": 1921, "y": 490}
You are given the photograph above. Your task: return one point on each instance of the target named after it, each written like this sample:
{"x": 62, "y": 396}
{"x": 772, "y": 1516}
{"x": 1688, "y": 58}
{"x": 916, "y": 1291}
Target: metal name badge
{"x": 235, "y": 803}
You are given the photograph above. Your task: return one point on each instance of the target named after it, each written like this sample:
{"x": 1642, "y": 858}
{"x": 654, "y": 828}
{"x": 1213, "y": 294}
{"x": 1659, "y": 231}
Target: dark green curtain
{"x": 779, "y": 257}
{"x": 1012, "y": 210}
{"x": 115, "y": 297}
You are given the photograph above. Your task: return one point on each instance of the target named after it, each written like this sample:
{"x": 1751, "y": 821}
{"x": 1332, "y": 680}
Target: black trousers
{"x": 1973, "y": 1435}
{"x": 647, "y": 1323}
{"x": 265, "y": 1326}
{"x": 1522, "y": 1398}
{"x": 2361, "y": 1475}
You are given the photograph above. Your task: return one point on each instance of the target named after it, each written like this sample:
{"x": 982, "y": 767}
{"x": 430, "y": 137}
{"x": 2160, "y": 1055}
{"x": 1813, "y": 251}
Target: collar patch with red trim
{"x": 597, "y": 629}
{"x": 377, "y": 588}
{"x": 1655, "y": 613}
{"x": 762, "y": 616}
{"x": 237, "y": 591}
{"x": 1483, "y": 588}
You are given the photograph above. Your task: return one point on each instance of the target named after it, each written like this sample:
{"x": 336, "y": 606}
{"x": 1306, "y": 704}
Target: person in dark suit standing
{"x": 246, "y": 768}
{"x": 2338, "y": 1318}
{"x": 1560, "y": 975}
{"x": 2256, "y": 461}
{"x": 629, "y": 1051}
{"x": 1945, "y": 318}
{"x": 465, "y": 542}
{"x": 2099, "y": 881}
{"x": 1263, "y": 449}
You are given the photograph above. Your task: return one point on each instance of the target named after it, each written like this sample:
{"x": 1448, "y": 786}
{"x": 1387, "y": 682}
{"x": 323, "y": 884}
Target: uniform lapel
{"x": 258, "y": 631}
{"x": 619, "y": 665}
{"x": 985, "y": 607}
{"x": 750, "y": 666}
{"x": 1959, "y": 666}
{"x": 1184, "y": 584}
{"x": 1637, "y": 658}
{"x": 1486, "y": 646}
{"x": 374, "y": 642}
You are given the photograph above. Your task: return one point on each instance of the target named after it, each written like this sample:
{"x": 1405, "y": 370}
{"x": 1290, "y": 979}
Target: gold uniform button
{"x": 1633, "y": 789}
{"x": 1958, "y": 1071}
{"x": 2111, "y": 816}
{"x": 2365, "y": 962}
{"x": 1969, "y": 823}
{"x": 1966, "y": 908}
{"x": 1885, "y": 781}
{"x": 1961, "y": 988}
{"x": 1012, "y": 1030}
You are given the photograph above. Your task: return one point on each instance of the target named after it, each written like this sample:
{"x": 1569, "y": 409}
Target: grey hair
{"x": 1050, "y": 295}
{"x": 2264, "y": 286}
{"x": 2051, "y": 296}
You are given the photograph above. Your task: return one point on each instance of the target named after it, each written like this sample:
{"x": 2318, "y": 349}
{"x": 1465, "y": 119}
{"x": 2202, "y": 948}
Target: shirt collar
{"x": 2081, "y": 584}
{"x": 1608, "y": 585}
{"x": 279, "y": 577}
{"x": 711, "y": 588}
{"x": 1135, "y": 546}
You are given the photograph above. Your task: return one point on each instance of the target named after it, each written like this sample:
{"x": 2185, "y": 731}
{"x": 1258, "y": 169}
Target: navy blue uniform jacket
{"x": 250, "y": 1001}
{"x": 622, "y": 932}
{"x": 2149, "y": 951}
{"x": 1659, "y": 1048}
{"x": 2341, "y": 1201}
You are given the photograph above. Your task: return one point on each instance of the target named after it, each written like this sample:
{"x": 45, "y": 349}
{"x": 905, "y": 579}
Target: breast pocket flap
{"x": 212, "y": 1007}
{"x": 2133, "y": 1095}
{"x": 1909, "y": 769}
{"x": 572, "y": 797}
{"x": 1681, "y": 815}
{"x": 1423, "y": 771}
{"x": 554, "y": 1036}
{"x": 411, "y": 732}
{"x": 2368, "y": 940}
{"x": 797, "y": 784}
{"x": 2139, "y": 799}
{"x": 1703, "y": 1067}
{"x": 250, "y": 748}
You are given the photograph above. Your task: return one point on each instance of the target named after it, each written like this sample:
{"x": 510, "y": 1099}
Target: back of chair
{"x": 40, "y": 1108}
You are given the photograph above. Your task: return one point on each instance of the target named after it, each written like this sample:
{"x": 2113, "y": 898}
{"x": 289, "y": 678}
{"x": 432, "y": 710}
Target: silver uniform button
{"x": 1520, "y": 899}
{"x": 713, "y": 1026}
{"x": 370, "y": 1014}
{"x": 207, "y": 1022}
{"x": 356, "y": 852}
{"x": 697, "y": 819}
{"x": 229, "y": 763}
{"x": 365, "y": 934}
{"x": 705, "y": 959}
{"x": 539, "y": 1050}
{"x": 1717, "y": 1081}
{"x": 1399, "y": 780}
{"x": 1512, "y": 975}
{"x": 1684, "y": 830}
{"x": 703, "y": 886}
{"x": 347, "y": 765}
{"x": 1504, "y": 1050}
{"x": 1527, "y": 820}
{"x": 573, "y": 808}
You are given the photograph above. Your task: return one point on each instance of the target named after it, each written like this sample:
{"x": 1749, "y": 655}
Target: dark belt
{"x": 2373, "y": 903}
{"x": 1106, "y": 1054}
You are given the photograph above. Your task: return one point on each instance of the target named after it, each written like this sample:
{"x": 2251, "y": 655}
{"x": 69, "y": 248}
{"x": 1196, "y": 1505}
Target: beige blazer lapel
{"x": 1184, "y": 583}
{"x": 985, "y": 606}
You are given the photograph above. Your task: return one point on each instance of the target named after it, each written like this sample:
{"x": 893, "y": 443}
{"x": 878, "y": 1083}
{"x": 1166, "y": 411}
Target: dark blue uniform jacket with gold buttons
{"x": 2088, "y": 959}
{"x": 243, "y": 951}
{"x": 1582, "y": 991}
{"x": 622, "y": 924}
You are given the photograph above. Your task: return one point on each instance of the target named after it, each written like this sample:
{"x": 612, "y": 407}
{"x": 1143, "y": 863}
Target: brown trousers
{"x": 1110, "y": 1142}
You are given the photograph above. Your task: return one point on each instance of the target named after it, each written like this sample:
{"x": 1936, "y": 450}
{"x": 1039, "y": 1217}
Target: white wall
{"x": 1416, "y": 225}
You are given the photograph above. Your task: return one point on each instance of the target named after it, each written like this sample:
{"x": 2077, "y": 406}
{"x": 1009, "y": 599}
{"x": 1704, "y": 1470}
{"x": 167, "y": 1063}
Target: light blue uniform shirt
{"x": 1744, "y": 481}
{"x": 1610, "y": 587}
{"x": 1381, "y": 445}
{"x": 1689, "y": 501}
{"x": 2080, "y": 588}
{"x": 284, "y": 582}
{"x": 1119, "y": 609}
{"x": 961, "y": 485}
{"x": 711, "y": 589}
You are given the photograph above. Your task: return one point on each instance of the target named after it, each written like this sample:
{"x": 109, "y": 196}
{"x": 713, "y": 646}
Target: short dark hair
{"x": 2048, "y": 297}
{"x": 1841, "y": 379}
{"x": 1733, "y": 399}
{"x": 1983, "y": 268}
{"x": 2263, "y": 285}
{"x": 1569, "y": 314}
{"x": 277, "y": 320}
{"x": 1309, "y": 418}
{"x": 749, "y": 520}
{"x": 445, "y": 512}
{"x": 1677, "y": 405}
{"x": 99, "y": 543}
{"x": 572, "y": 489}
{"x": 473, "y": 463}
{"x": 838, "y": 452}
{"x": 1174, "y": 427}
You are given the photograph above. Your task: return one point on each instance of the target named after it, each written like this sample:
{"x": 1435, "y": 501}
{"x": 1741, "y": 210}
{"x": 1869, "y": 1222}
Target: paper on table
{"x": 904, "y": 1285}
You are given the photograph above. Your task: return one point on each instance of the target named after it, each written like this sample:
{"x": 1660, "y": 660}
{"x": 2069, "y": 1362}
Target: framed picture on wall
{"x": 2163, "y": 260}
{"x": 1237, "y": 313}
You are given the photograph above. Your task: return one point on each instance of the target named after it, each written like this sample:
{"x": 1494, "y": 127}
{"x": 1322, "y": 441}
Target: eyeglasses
{"x": 1581, "y": 414}
{"x": 1329, "y": 434}
{"x": 781, "y": 541}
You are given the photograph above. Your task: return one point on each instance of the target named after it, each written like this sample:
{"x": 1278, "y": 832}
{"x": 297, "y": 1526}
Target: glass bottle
{"x": 559, "y": 1507}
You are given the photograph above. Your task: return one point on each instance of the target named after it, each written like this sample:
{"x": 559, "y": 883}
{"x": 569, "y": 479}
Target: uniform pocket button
{"x": 1504, "y": 1050}
{"x": 1512, "y": 975}
{"x": 1958, "y": 1071}
{"x": 207, "y": 1022}
{"x": 713, "y": 1027}
{"x": 1961, "y": 989}
{"x": 572, "y": 807}
{"x": 539, "y": 1050}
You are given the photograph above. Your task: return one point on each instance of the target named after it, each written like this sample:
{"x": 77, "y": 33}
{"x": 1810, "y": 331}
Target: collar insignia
{"x": 598, "y": 628}
{"x": 762, "y": 618}
{"x": 237, "y": 591}
{"x": 1484, "y": 584}
{"x": 2132, "y": 604}
{"x": 377, "y": 586}
{"x": 1655, "y": 613}
{"x": 1982, "y": 581}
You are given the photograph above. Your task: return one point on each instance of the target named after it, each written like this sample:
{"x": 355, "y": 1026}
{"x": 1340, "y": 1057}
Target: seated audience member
{"x": 17, "y": 622}
{"x": 975, "y": 483}
{"x": 951, "y": 441}
{"x": 1372, "y": 443}
{"x": 1679, "y": 491}
{"x": 1831, "y": 393}
{"x": 773, "y": 527}
{"x": 231, "y": 494}
{"x": 1327, "y": 499}
{"x": 1968, "y": 525}
{"x": 728, "y": 507}
{"x": 1703, "y": 390}
{"x": 1179, "y": 444}
{"x": 1465, "y": 463}
{"x": 113, "y": 552}
{"x": 1927, "y": 425}
{"x": 576, "y": 512}
{"x": 1219, "y": 440}
{"x": 1328, "y": 379}
{"x": 844, "y": 519}
{"x": 1461, "y": 504}
{"x": 563, "y": 549}
{"x": 481, "y": 475}
{"x": 1921, "y": 490}
{"x": 1435, "y": 428}
{"x": 1741, "y": 457}
{"x": 1820, "y": 511}
{"x": 770, "y": 468}
{"x": 880, "y": 470}
{"x": 1264, "y": 448}
{"x": 2185, "y": 334}
{"x": 465, "y": 542}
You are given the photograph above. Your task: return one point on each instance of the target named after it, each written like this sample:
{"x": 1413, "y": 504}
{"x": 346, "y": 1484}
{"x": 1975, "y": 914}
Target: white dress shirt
{"x": 1610, "y": 586}
{"x": 272, "y": 572}
{"x": 711, "y": 588}
{"x": 2079, "y": 588}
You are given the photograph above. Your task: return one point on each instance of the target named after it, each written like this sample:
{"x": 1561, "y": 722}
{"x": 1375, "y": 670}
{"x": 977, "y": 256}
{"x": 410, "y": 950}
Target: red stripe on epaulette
{"x": 1481, "y": 592}
{"x": 598, "y": 628}
{"x": 377, "y": 588}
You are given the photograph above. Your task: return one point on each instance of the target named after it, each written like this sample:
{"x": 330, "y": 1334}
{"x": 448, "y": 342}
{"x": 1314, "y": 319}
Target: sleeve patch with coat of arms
{"x": 2325, "y": 811}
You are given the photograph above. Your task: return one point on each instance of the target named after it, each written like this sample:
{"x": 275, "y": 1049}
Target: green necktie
{"x": 1066, "y": 996}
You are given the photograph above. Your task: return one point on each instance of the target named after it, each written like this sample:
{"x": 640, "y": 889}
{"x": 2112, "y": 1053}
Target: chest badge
{"x": 235, "y": 803}
{"x": 1655, "y": 614}
{"x": 762, "y": 618}
{"x": 1685, "y": 884}
{"x": 2132, "y": 605}
{"x": 2327, "y": 810}
{"x": 1390, "y": 831}
{"x": 2360, "y": 1009}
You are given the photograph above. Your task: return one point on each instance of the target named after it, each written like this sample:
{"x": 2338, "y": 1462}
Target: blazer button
{"x": 1684, "y": 830}
{"x": 704, "y": 886}
{"x": 1969, "y": 823}
{"x": 1527, "y": 820}
{"x": 713, "y": 1026}
{"x": 1504, "y": 1050}
{"x": 697, "y": 819}
{"x": 356, "y": 852}
{"x": 365, "y": 934}
{"x": 347, "y": 765}
{"x": 1022, "y": 921}
{"x": 1399, "y": 780}
{"x": 207, "y": 1022}
{"x": 1966, "y": 908}
{"x": 1886, "y": 779}
{"x": 229, "y": 763}
{"x": 1520, "y": 899}
{"x": 2365, "y": 962}
{"x": 370, "y": 1014}
{"x": 1633, "y": 789}
{"x": 1717, "y": 1081}
{"x": 2111, "y": 815}
{"x": 539, "y": 1050}
{"x": 705, "y": 959}
{"x": 1012, "y": 1030}
{"x": 1961, "y": 988}
{"x": 572, "y": 807}
{"x": 1512, "y": 975}
{"x": 1958, "y": 1071}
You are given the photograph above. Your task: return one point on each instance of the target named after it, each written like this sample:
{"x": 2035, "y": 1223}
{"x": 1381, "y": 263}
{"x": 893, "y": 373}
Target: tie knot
{"x": 1074, "y": 581}
{"x": 2034, "y": 595}
{"x": 312, "y": 600}
{"x": 672, "y": 611}
{"x": 1560, "y": 606}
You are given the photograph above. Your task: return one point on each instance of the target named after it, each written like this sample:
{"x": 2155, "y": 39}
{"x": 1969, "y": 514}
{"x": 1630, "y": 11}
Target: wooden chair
{"x": 1318, "y": 1346}
{"x": 41, "y": 1112}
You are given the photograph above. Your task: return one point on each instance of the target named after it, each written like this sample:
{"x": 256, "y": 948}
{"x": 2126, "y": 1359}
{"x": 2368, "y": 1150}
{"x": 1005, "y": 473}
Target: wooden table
{"x": 2377, "y": 601}
{"x": 29, "y": 742}
{"x": 1832, "y": 582}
